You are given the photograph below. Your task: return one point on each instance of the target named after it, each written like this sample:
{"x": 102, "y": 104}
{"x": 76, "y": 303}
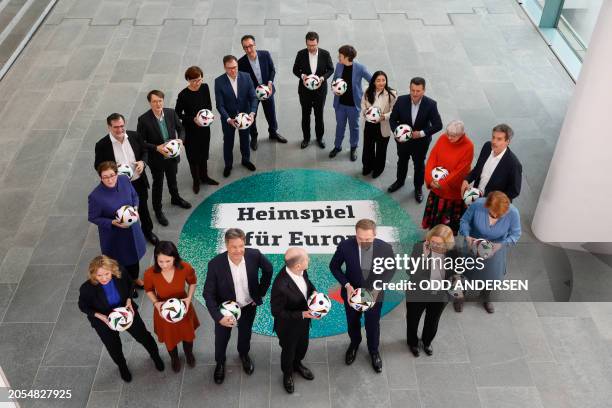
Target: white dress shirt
{"x": 234, "y": 83}
{"x": 124, "y": 153}
{"x": 241, "y": 283}
{"x": 313, "y": 59}
{"x": 415, "y": 111}
{"x": 488, "y": 169}
{"x": 299, "y": 281}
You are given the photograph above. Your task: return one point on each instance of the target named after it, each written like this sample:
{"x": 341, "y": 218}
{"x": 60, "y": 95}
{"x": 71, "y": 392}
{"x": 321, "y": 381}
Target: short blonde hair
{"x": 444, "y": 232}
{"x": 498, "y": 202}
{"x": 103, "y": 261}
{"x": 365, "y": 224}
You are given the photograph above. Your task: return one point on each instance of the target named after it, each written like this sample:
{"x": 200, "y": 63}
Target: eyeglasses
{"x": 232, "y": 67}
{"x": 195, "y": 81}
{"x": 110, "y": 177}
{"x": 248, "y": 47}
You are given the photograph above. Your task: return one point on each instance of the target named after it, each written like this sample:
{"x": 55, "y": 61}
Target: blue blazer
{"x": 359, "y": 72}
{"x": 347, "y": 253}
{"x": 125, "y": 245}
{"x": 266, "y": 65}
{"x": 227, "y": 103}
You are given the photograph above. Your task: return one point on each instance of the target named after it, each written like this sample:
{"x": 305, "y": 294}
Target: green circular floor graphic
{"x": 313, "y": 209}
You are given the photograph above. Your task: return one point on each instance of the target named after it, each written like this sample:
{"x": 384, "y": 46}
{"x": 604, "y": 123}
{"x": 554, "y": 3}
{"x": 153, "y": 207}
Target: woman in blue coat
{"x": 497, "y": 221}
{"x": 122, "y": 243}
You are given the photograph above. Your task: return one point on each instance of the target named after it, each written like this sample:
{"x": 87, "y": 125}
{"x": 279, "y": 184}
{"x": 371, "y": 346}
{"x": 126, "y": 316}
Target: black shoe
{"x": 247, "y": 364}
{"x": 278, "y": 137}
{"x": 414, "y": 350}
{"x": 209, "y": 181}
{"x": 395, "y": 186}
{"x": 376, "y": 362}
{"x": 254, "y": 144}
{"x": 134, "y": 294}
{"x": 376, "y": 173}
{"x": 180, "y": 202}
{"x": 219, "y": 375}
{"x": 428, "y": 349}
{"x": 365, "y": 171}
{"x": 334, "y": 152}
{"x": 249, "y": 165}
{"x": 321, "y": 144}
{"x": 304, "y": 372}
{"x": 488, "y": 306}
{"x": 304, "y": 144}
{"x": 227, "y": 171}
{"x": 288, "y": 383}
{"x": 353, "y": 154}
{"x": 161, "y": 218}
{"x": 125, "y": 373}
{"x": 159, "y": 363}
{"x": 418, "y": 195}
{"x": 152, "y": 238}
{"x": 351, "y": 353}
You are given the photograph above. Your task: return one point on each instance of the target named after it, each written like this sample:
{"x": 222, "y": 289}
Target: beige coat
{"x": 382, "y": 103}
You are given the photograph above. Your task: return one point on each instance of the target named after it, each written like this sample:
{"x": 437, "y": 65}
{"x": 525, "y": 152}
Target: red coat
{"x": 454, "y": 157}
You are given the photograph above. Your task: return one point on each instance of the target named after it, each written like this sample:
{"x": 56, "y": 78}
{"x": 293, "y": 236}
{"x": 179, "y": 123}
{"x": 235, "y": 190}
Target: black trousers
{"x": 293, "y": 339}
{"x": 414, "y": 311}
{"x": 245, "y": 328}
{"x": 112, "y": 340}
{"x": 270, "y": 114}
{"x": 372, "y": 326}
{"x": 374, "y": 148}
{"x": 133, "y": 270}
{"x": 168, "y": 168}
{"x": 417, "y": 150}
{"x": 142, "y": 190}
{"x": 315, "y": 102}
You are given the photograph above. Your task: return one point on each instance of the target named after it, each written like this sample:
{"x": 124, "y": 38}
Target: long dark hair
{"x": 371, "y": 91}
{"x": 169, "y": 249}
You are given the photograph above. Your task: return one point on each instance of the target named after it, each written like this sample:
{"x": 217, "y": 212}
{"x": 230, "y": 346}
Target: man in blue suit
{"x": 234, "y": 94}
{"x": 358, "y": 254}
{"x": 348, "y": 104}
{"x": 259, "y": 65}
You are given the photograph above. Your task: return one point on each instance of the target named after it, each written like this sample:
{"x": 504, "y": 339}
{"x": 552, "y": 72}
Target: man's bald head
{"x": 296, "y": 259}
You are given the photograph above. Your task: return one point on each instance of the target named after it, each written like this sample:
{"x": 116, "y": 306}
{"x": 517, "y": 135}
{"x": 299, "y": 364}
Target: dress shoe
{"x": 353, "y": 154}
{"x": 395, "y": 186}
{"x": 161, "y": 218}
{"x": 278, "y": 137}
{"x": 134, "y": 294}
{"x": 418, "y": 195}
{"x": 376, "y": 362}
{"x": 376, "y": 173}
{"x": 196, "y": 186}
{"x": 288, "y": 383}
{"x": 458, "y": 305}
{"x": 209, "y": 181}
{"x": 304, "y": 144}
{"x": 304, "y": 372}
{"x": 227, "y": 171}
{"x": 414, "y": 350}
{"x": 219, "y": 375}
{"x": 249, "y": 165}
{"x": 180, "y": 202}
{"x": 428, "y": 349}
{"x": 247, "y": 364}
{"x": 334, "y": 152}
{"x": 159, "y": 363}
{"x": 351, "y": 353}
{"x": 321, "y": 144}
{"x": 488, "y": 306}
{"x": 152, "y": 238}
{"x": 365, "y": 171}
{"x": 125, "y": 373}
{"x": 254, "y": 144}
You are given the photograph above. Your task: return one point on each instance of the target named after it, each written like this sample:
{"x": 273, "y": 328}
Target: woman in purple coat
{"x": 125, "y": 244}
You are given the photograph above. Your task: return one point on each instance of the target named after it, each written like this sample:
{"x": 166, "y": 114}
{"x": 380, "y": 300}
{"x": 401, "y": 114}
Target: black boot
{"x": 174, "y": 360}
{"x": 125, "y": 373}
{"x": 189, "y": 357}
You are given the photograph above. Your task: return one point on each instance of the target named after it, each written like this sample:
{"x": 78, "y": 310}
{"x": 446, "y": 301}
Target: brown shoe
{"x": 458, "y": 305}
{"x": 488, "y": 306}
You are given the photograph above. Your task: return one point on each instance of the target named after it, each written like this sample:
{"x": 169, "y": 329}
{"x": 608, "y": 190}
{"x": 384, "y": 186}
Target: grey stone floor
{"x": 485, "y": 63}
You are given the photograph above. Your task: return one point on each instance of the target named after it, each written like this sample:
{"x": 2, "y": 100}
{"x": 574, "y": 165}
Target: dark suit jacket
{"x": 325, "y": 68}
{"x": 219, "y": 285}
{"x": 150, "y": 133}
{"x": 92, "y": 298}
{"x": 506, "y": 177}
{"x": 428, "y": 119}
{"x": 104, "y": 151}
{"x": 347, "y": 253}
{"x": 287, "y": 302}
{"x": 423, "y": 272}
{"x": 227, "y": 103}
{"x": 266, "y": 65}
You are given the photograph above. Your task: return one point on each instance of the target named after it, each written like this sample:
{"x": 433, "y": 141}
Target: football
{"x": 173, "y": 310}
{"x": 319, "y": 304}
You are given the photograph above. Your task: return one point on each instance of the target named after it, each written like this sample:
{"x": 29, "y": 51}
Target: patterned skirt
{"x": 442, "y": 211}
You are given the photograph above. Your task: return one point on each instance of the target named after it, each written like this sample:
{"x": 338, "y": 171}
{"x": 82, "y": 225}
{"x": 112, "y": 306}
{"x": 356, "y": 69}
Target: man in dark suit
{"x": 421, "y": 113}
{"x": 234, "y": 275}
{"x": 357, "y": 254}
{"x": 313, "y": 60}
{"x": 156, "y": 127}
{"x": 124, "y": 146}
{"x": 234, "y": 94}
{"x": 290, "y": 292}
{"x": 259, "y": 65}
{"x": 497, "y": 168}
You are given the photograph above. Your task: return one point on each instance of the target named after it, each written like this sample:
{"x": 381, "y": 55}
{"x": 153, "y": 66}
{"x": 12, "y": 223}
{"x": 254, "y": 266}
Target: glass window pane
{"x": 578, "y": 18}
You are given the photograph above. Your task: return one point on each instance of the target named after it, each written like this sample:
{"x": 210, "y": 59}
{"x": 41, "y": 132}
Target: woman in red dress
{"x": 164, "y": 280}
